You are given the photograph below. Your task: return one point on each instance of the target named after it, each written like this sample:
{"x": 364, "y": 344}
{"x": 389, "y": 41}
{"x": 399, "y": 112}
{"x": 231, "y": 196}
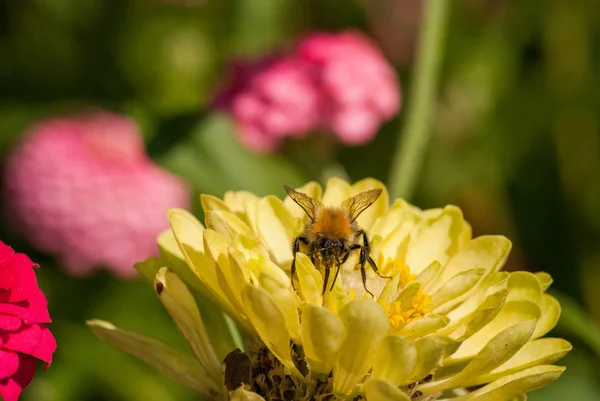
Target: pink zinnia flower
{"x": 271, "y": 99}
{"x": 330, "y": 82}
{"x": 359, "y": 84}
{"x": 24, "y": 336}
{"x": 83, "y": 188}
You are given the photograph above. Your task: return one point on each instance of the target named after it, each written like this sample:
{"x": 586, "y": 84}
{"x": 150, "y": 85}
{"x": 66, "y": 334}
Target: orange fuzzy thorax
{"x": 333, "y": 223}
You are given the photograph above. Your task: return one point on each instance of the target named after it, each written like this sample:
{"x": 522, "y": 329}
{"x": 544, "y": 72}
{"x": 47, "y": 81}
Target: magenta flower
{"x": 83, "y": 189}
{"x": 331, "y": 82}
{"x": 359, "y": 85}
{"x": 24, "y": 336}
{"x": 271, "y": 99}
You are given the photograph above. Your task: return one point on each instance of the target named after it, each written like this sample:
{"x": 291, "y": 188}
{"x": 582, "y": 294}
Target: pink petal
{"x": 9, "y": 363}
{"x": 256, "y": 139}
{"x": 10, "y": 322}
{"x": 32, "y": 310}
{"x": 46, "y": 347}
{"x": 17, "y": 276}
{"x": 355, "y": 127}
{"x": 24, "y": 340}
{"x": 11, "y": 387}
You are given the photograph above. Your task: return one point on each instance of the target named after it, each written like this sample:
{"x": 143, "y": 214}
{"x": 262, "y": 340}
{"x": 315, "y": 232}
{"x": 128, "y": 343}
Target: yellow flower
{"x": 447, "y": 325}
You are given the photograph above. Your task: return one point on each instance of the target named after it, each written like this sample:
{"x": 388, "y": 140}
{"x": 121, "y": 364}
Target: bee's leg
{"x": 337, "y": 271}
{"x": 295, "y": 249}
{"x": 325, "y": 278}
{"x": 363, "y": 273}
{"x": 366, "y": 248}
{"x": 344, "y": 259}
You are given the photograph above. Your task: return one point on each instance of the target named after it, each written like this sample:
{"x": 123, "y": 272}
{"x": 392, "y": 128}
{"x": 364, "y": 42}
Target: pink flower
{"x": 339, "y": 83}
{"x": 271, "y": 99}
{"x": 83, "y": 188}
{"x": 24, "y": 336}
{"x": 359, "y": 84}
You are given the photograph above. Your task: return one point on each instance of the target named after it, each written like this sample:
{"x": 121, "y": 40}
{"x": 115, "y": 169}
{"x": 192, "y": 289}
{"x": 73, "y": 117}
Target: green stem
{"x": 410, "y": 152}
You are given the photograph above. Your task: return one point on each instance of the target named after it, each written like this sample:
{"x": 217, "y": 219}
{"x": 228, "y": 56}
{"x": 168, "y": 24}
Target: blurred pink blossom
{"x": 271, "y": 99}
{"x": 83, "y": 189}
{"x": 329, "y": 82}
{"x": 359, "y": 85}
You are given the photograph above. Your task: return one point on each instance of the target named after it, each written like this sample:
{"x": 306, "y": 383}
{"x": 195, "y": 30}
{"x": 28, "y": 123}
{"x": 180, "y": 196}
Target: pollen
{"x": 399, "y": 314}
{"x": 392, "y": 267}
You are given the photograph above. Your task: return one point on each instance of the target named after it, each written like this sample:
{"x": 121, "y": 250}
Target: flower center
{"x": 402, "y": 312}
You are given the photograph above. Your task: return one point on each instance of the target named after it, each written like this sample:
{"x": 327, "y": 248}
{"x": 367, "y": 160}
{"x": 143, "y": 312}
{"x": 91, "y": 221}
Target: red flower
{"x": 23, "y": 317}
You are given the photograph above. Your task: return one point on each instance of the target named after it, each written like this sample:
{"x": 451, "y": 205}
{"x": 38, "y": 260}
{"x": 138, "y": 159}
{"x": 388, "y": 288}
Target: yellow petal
{"x": 382, "y": 390}
{"x": 270, "y": 324}
{"x": 227, "y": 224}
{"x": 282, "y": 292}
{"x": 169, "y": 248}
{"x": 212, "y": 203}
{"x": 189, "y": 234}
{"x": 498, "y": 350}
{"x": 180, "y": 304}
{"x": 309, "y": 279}
{"x": 174, "y": 259}
{"x": 395, "y": 216}
{"x": 424, "y": 326}
{"x": 258, "y": 266}
{"x": 395, "y": 360}
{"x": 186, "y": 228}
{"x": 241, "y": 394}
{"x": 485, "y": 313}
{"x": 487, "y": 295}
{"x": 435, "y": 239}
{"x": 336, "y": 191}
{"x": 512, "y": 313}
{"x": 366, "y": 324}
{"x": 237, "y": 201}
{"x": 322, "y": 337}
{"x": 159, "y": 355}
{"x": 515, "y": 384}
{"x": 456, "y": 287}
{"x": 545, "y": 280}
{"x": 392, "y": 242}
{"x": 486, "y": 252}
{"x": 550, "y": 308}
{"x": 524, "y": 286}
{"x": 243, "y": 204}
{"x": 205, "y": 268}
{"x": 428, "y": 276}
{"x": 220, "y": 330}
{"x": 275, "y": 229}
{"x": 430, "y": 352}
{"x": 538, "y": 352}
{"x": 217, "y": 250}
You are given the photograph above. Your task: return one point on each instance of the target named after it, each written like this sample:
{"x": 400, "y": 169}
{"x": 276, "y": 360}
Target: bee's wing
{"x": 308, "y": 204}
{"x": 361, "y": 201}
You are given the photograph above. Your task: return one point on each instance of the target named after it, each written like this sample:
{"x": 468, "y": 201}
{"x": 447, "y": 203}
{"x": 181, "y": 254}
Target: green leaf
{"x": 239, "y": 168}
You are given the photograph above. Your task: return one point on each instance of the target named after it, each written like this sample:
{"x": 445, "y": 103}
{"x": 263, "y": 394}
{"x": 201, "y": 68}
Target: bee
{"x": 332, "y": 233}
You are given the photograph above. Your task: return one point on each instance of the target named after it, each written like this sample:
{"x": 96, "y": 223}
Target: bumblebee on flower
{"x": 332, "y": 233}
{"x": 447, "y": 324}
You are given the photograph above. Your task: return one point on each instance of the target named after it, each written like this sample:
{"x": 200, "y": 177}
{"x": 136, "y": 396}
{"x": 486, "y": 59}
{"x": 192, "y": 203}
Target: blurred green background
{"x": 516, "y": 142}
